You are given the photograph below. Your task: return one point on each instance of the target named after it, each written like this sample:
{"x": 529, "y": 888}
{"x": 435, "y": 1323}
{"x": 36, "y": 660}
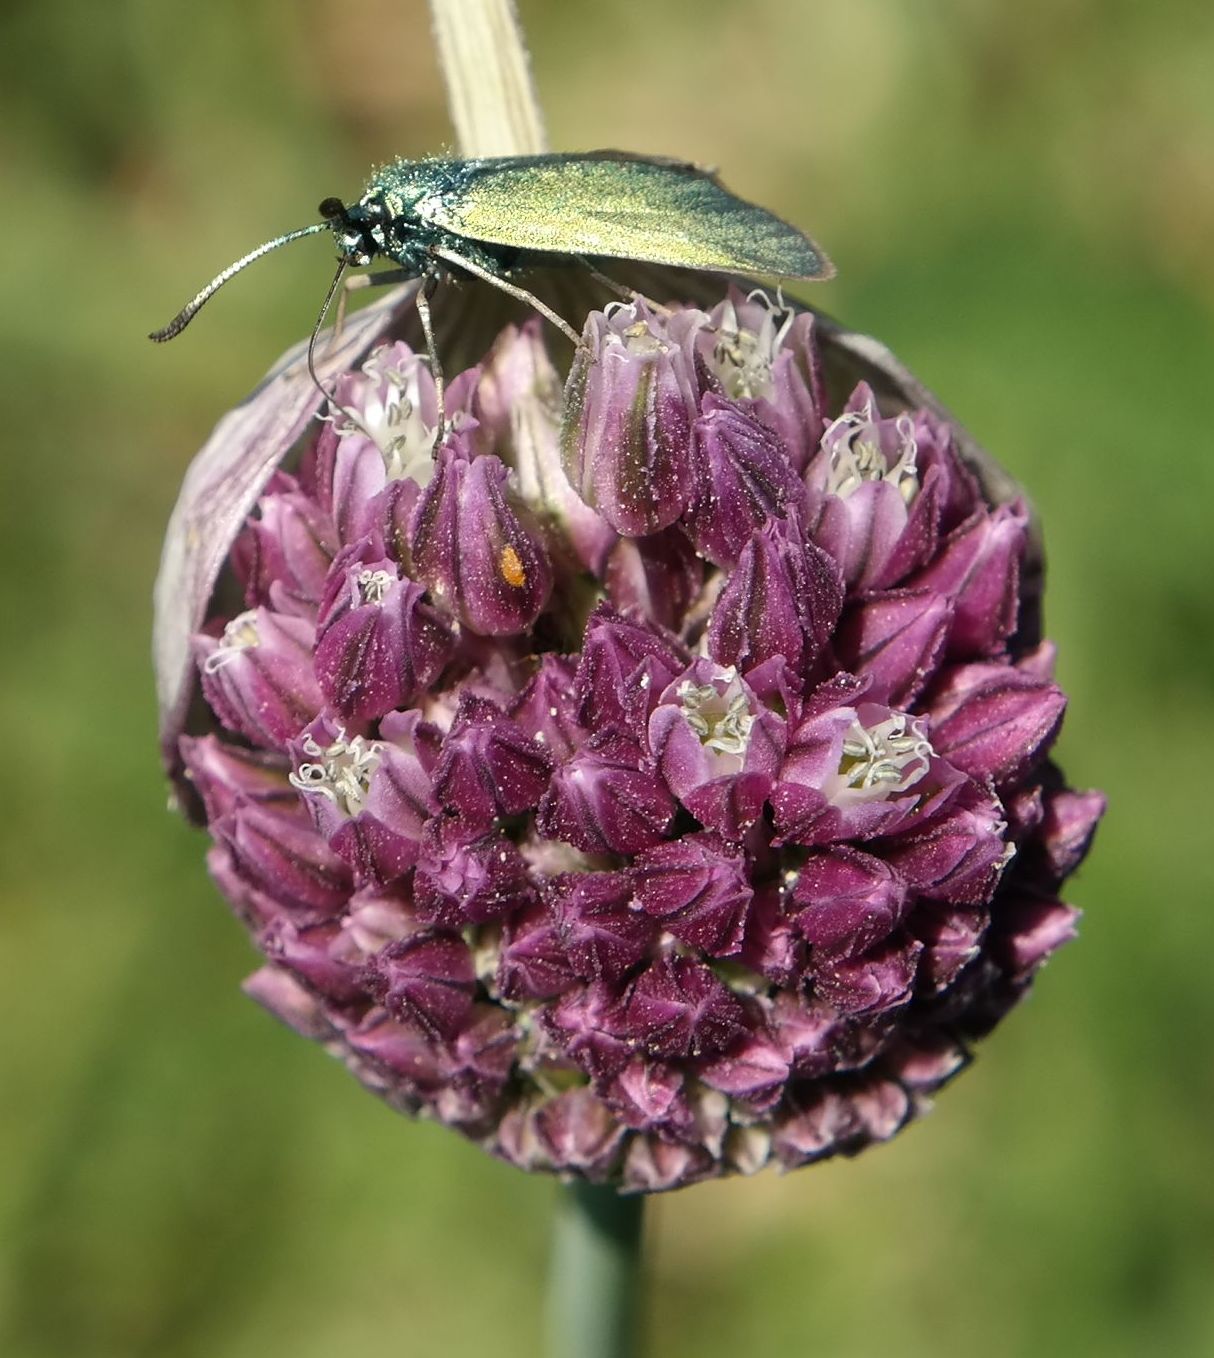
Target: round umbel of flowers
{"x": 649, "y": 777}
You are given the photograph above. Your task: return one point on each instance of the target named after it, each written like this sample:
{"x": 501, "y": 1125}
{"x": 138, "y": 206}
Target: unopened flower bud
{"x": 258, "y": 674}
{"x": 427, "y": 979}
{"x": 475, "y": 551}
{"x": 378, "y": 642}
{"x": 602, "y": 932}
{"x": 783, "y": 599}
{"x": 678, "y": 1007}
{"x": 601, "y": 803}
{"x": 697, "y": 889}
{"x": 631, "y": 399}
{"x": 489, "y": 767}
{"x": 743, "y": 478}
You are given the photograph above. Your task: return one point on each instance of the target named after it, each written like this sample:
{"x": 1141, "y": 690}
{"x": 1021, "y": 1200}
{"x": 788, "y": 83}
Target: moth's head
{"x": 358, "y": 230}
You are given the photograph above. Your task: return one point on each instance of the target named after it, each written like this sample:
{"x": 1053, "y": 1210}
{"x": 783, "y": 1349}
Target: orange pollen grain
{"x": 512, "y": 568}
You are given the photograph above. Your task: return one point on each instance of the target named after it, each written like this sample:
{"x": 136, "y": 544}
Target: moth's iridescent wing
{"x": 608, "y": 204}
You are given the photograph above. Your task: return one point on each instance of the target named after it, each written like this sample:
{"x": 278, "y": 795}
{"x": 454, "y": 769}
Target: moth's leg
{"x": 389, "y": 278}
{"x": 357, "y": 282}
{"x": 320, "y": 320}
{"x": 422, "y": 302}
{"x": 520, "y": 294}
{"x": 630, "y": 295}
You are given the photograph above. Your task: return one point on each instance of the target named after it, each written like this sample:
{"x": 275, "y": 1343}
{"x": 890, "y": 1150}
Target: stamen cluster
{"x": 651, "y": 781}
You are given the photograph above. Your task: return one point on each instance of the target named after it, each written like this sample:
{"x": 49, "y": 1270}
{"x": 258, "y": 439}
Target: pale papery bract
{"x": 651, "y": 782}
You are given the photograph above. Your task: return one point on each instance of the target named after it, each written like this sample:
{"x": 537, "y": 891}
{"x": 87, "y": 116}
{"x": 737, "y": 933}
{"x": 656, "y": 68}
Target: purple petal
{"x": 766, "y": 359}
{"x": 993, "y": 721}
{"x": 821, "y": 1124}
{"x": 624, "y": 666}
{"x": 653, "y": 1165}
{"x": 579, "y": 1134}
{"x": 696, "y": 888}
{"x": 427, "y": 979}
{"x": 278, "y": 992}
{"x": 226, "y": 776}
{"x": 533, "y": 964}
{"x": 716, "y": 747}
{"x": 649, "y": 1094}
{"x": 658, "y": 577}
{"x": 772, "y": 947}
{"x": 679, "y": 1008}
{"x": 258, "y": 676}
{"x": 811, "y": 1034}
{"x": 489, "y": 767}
{"x": 783, "y": 599}
{"x": 753, "y": 1070}
{"x": 604, "y": 805}
{"x": 847, "y": 901}
{"x": 283, "y": 556}
{"x": 1069, "y": 824}
{"x": 895, "y": 641}
{"x": 517, "y": 402}
{"x": 1029, "y": 930}
{"x": 978, "y": 569}
{"x": 952, "y": 938}
{"x": 379, "y": 644}
{"x": 924, "y": 1063}
{"x": 547, "y": 708}
{"x": 601, "y": 931}
{"x": 957, "y": 856}
{"x": 458, "y": 883}
{"x": 744, "y": 476}
{"x": 589, "y": 1025}
{"x": 870, "y": 983}
{"x": 314, "y": 953}
{"x": 283, "y": 856}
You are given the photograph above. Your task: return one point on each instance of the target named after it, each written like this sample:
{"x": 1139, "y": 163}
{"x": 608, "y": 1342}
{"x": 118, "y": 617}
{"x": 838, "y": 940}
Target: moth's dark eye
{"x": 331, "y": 207}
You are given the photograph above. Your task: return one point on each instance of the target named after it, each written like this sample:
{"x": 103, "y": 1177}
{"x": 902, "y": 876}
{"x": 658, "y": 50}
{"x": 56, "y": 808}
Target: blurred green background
{"x": 1020, "y": 199}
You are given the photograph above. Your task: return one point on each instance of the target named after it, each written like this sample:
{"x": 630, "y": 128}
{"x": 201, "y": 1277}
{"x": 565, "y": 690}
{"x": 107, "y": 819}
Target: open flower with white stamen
{"x": 875, "y": 503}
{"x": 340, "y": 772}
{"x": 392, "y": 400}
{"x": 652, "y": 781}
{"x": 880, "y": 759}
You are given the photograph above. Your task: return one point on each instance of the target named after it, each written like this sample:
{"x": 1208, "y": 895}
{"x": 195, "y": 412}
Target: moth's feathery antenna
{"x": 191, "y": 309}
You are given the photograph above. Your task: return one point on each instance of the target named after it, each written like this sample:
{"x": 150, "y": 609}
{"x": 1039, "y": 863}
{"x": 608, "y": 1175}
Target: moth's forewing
{"x": 624, "y": 207}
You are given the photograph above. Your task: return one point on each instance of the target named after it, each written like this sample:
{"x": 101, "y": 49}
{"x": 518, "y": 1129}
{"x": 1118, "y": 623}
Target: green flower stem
{"x": 594, "y": 1284}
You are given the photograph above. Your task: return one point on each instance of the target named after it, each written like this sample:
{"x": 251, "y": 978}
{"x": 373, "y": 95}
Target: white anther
{"x": 722, "y": 720}
{"x": 880, "y": 760}
{"x": 239, "y": 635}
{"x": 853, "y": 443}
{"x": 374, "y": 585}
{"x": 341, "y": 772}
{"x": 743, "y": 358}
{"x": 389, "y": 414}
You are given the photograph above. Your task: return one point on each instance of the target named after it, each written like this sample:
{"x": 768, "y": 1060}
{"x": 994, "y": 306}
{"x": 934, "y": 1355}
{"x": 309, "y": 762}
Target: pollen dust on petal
{"x": 511, "y": 568}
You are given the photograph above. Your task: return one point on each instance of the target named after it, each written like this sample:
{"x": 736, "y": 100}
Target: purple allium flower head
{"x": 652, "y": 780}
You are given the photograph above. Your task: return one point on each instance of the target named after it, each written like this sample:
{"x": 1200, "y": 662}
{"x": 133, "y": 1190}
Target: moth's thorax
{"x": 378, "y": 226}
{"x": 417, "y": 191}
